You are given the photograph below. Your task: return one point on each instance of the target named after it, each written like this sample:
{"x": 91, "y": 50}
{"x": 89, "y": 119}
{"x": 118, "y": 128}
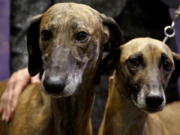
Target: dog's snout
{"x": 53, "y": 87}
{"x": 154, "y": 102}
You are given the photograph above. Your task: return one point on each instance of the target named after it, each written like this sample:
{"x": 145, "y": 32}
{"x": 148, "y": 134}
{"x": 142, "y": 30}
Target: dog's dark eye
{"x": 134, "y": 62}
{"x": 46, "y": 35}
{"x": 166, "y": 63}
{"x": 82, "y": 36}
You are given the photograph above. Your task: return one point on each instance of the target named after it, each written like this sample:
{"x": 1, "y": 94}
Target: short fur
{"x": 65, "y": 44}
{"x": 143, "y": 69}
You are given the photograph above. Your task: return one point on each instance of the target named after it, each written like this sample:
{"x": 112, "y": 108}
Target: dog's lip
{"x": 153, "y": 110}
{"x": 148, "y": 109}
{"x": 56, "y": 95}
{"x": 59, "y": 95}
{"x": 44, "y": 90}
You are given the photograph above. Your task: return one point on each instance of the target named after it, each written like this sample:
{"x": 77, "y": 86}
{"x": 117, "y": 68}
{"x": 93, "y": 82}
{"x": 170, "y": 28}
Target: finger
{"x": 2, "y": 102}
{"x": 16, "y": 84}
{"x": 6, "y": 95}
{"x": 14, "y": 101}
{"x": 10, "y": 100}
{"x": 19, "y": 87}
{"x": 2, "y": 105}
{"x": 11, "y": 105}
{"x": 35, "y": 79}
{"x": 6, "y": 106}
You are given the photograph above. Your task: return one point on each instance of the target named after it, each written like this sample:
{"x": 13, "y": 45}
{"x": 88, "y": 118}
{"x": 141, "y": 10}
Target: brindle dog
{"x": 66, "y": 45}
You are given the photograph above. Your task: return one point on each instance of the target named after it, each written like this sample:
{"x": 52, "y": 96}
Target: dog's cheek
{"x": 141, "y": 99}
{"x": 74, "y": 80}
{"x": 135, "y": 86}
{"x": 93, "y": 50}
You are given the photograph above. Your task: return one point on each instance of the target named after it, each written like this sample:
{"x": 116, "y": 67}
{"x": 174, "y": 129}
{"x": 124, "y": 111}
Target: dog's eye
{"x": 82, "y": 36}
{"x": 166, "y": 63}
{"x": 134, "y": 62}
{"x": 46, "y": 35}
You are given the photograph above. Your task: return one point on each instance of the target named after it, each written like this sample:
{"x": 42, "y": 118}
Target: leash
{"x": 169, "y": 31}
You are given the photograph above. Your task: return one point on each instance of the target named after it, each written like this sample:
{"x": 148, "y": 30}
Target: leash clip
{"x": 169, "y": 31}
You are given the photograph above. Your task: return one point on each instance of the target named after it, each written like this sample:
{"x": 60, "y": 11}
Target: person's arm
{"x": 21, "y": 13}
{"x": 17, "y": 82}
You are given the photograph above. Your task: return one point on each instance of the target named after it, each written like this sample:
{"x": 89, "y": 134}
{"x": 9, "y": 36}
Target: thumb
{"x": 35, "y": 79}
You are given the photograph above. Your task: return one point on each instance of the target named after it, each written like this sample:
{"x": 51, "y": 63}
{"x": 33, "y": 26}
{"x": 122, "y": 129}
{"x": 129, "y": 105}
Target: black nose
{"x": 154, "y": 102}
{"x": 53, "y": 86}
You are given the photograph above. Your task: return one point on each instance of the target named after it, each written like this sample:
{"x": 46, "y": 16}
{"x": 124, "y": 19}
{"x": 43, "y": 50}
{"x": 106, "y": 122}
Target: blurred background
{"x": 137, "y": 18}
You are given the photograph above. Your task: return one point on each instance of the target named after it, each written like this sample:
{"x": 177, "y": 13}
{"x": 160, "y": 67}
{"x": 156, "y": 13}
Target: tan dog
{"x": 137, "y": 88}
{"x": 65, "y": 44}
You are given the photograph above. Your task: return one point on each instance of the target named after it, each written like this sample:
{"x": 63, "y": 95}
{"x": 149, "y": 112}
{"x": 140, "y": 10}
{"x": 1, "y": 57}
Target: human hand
{"x": 16, "y": 84}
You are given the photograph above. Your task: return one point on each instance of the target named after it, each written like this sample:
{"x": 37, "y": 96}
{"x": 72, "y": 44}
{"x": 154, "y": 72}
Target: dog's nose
{"x": 154, "y": 102}
{"x": 53, "y": 87}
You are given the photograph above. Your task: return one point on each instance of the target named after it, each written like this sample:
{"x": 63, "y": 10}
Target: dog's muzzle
{"x": 154, "y": 103}
{"x": 53, "y": 86}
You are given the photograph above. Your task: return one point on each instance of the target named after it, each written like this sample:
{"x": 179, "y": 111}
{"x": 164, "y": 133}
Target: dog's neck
{"x": 121, "y": 117}
{"x": 72, "y": 114}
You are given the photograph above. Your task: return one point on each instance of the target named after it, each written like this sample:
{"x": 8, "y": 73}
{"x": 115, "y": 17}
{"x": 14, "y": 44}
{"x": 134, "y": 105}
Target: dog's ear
{"x": 109, "y": 63}
{"x": 176, "y": 72}
{"x": 114, "y": 35}
{"x": 113, "y": 40}
{"x": 35, "y": 61}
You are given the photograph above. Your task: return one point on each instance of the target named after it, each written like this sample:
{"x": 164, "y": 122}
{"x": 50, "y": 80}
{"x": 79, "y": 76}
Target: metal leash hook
{"x": 169, "y": 31}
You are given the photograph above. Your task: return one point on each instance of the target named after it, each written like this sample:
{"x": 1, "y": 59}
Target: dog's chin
{"x": 152, "y": 110}
{"x": 64, "y": 93}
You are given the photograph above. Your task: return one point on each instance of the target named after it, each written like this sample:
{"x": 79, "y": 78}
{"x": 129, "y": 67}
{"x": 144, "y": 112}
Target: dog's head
{"x": 145, "y": 67}
{"x": 66, "y": 44}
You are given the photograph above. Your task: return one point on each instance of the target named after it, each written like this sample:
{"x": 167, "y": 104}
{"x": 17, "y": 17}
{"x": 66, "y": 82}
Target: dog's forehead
{"x": 70, "y": 13}
{"x": 145, "y": 46}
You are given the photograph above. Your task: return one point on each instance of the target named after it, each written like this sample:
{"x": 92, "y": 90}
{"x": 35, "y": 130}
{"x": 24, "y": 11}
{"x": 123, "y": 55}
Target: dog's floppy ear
{"x": 35, "y": 62}
{"x": 113, "y": 33}
{"x": 176, "y": 72}
{"x": 109, "y": 63}
{"x": 113, "y": 38}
